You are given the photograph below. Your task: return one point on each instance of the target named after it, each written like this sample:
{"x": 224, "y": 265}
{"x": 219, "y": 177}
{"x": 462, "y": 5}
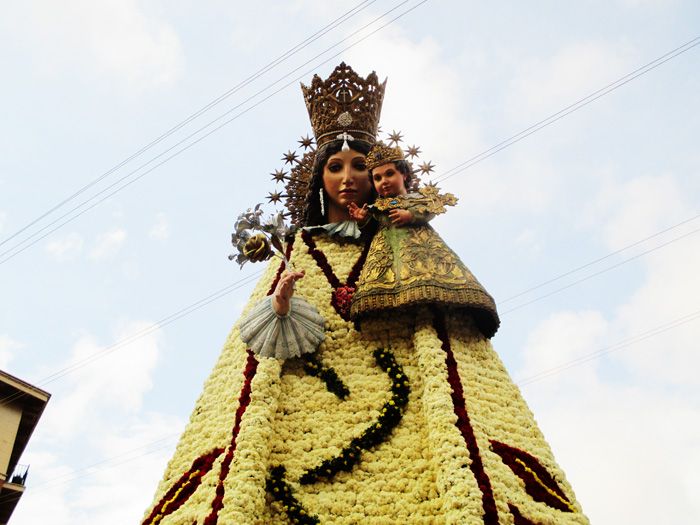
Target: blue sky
{"x": 87, "y": 84}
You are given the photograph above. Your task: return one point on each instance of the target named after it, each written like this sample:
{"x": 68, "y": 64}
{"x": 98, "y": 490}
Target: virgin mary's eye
{"x": 335, "y": 167}
{"x": 360, "y": 165}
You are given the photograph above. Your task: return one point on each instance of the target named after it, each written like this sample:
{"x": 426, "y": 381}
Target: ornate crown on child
{"x": 344, "y": 106}
{"x": 381, "y": 154}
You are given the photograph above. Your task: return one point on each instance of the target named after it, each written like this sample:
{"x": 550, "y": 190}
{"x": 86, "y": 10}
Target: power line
{"x": 460, "y": 168}
{"x": 569, "y": 109}
{"x": 612, "y": 348}
{"x": 271, "y": 65}
{"x": 623, "y": 344}
{"x": 620, "y": 345}
{"x": 470, "y": 162}
{"x": 246, "y": 280}
{"x": 596, "y": 261}
{"x": 98, "y": 466}
{"x": 155, "y": 327}
{"x": 8, "y": 254}
{"x": 140, "y": 333}
{"x": 536, "y": 377}
{"x": 604, "y": 270}
{"x": 455, "y": 170}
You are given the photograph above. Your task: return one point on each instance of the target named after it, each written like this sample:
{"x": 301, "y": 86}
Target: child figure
{"x": 408, "y": 264}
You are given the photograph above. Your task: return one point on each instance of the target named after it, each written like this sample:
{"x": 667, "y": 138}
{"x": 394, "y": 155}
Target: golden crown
{"x": 344, "y": 106}
{"x": 381, "y": 154}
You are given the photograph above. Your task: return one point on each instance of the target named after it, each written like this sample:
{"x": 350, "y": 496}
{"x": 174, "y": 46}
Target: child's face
{"x": 388, "y": 181}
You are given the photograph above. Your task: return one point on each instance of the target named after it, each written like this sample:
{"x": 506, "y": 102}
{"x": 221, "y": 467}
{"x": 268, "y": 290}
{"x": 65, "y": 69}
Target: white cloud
{"x": 160, "y": 230}
{"x": 543, "y": 86}
{"x": 626, "y": 427}
{"x": 438, "y": 113}
{"x": 622, "y": 445}
{"x": 551, "y": 344}
{"x": 114, "y": 488}
{"x": 96, "y": 455}
{"x": 635, "y": 209}
{"x": 108, "y": 244}
{"x": 669, "y": 292}
{"x": 112, "y": 384}
{"x": 45, "y": 473}
{"x": 619, "y": 442}
{"x": 530, "y": 241}
{"x": 414, "y": 107}
{"x": 441, "y": 113}
{"x": 7, "y": 347}
{"x": 631, "y": 211}
{"x": 65, "y": 248}
{"x": 141, "y": 452}
{"x": 3, "y": 218}
{"x": 117, "y": 39}
{"x": 522, "y": 181}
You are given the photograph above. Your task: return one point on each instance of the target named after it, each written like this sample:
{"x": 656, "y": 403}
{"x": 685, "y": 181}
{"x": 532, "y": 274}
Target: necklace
{"x": 341, "y": 298}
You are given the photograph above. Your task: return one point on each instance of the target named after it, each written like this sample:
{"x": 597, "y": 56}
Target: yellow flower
{"x": 257, "y": 248}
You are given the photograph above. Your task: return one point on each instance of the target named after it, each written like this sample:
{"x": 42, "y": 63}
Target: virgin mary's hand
{"x": 284, "y": 291}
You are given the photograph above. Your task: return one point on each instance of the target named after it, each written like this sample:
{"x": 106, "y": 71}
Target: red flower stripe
{"x": 357, "y": 267}
{"x": 288, "y": 253}
{"x": 464, "y": 425}
{"x": 187, "y": 484}
{"x": 539, "y": 484}
{"x": 320, "y": 258}
{"x": 342, "y": 293}
{"x": 518, "y": 518}
{"x": 243, "y": 402}
{"x": 180, "y": 492}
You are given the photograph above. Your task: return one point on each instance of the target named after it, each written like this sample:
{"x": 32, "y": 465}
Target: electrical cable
{"x": 604, "y": 270}
{"x": 228, "y": 289}
{"x": 95, "y": 467}
{"x": 612, "y": 348}
{"x": 246, "y": 280}
{"x": 271, "y": 65}
{"x": 620, "y": 345}
{"x": 458, "y": 169}
{"x": 466, "y": 165}
{"x": 596, "y": 261}
{"x": 17, "y": 248}
{"x": 139, "y": 334}
{"x": 569, "y": 109}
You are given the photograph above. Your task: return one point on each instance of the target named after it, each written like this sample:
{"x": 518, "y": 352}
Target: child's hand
{"x": 400, "y": 217}
{"x": 357, "y": 213}
{"x": 284, "y": 291}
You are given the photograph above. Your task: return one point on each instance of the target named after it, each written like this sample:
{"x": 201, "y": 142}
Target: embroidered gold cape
{"x": 411, "y": 265}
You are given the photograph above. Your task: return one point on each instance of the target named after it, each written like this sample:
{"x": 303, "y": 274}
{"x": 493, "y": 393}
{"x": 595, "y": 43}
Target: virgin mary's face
{"x": 346, "y": 180}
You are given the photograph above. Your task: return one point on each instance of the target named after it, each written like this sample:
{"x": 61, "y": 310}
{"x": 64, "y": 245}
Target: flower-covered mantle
{"x": 463, "y": 449}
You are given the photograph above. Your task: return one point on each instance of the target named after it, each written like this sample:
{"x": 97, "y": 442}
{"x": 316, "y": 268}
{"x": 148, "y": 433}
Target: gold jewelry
{"x": 381, "y": 154}
{"x": 344, "y": 106}
{"x": 320, "y": 197}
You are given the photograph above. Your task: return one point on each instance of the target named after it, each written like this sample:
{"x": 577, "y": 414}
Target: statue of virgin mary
{"x": 309, "y": 418}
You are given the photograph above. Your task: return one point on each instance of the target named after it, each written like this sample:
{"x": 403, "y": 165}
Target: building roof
{"x": 32, "y": 401}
